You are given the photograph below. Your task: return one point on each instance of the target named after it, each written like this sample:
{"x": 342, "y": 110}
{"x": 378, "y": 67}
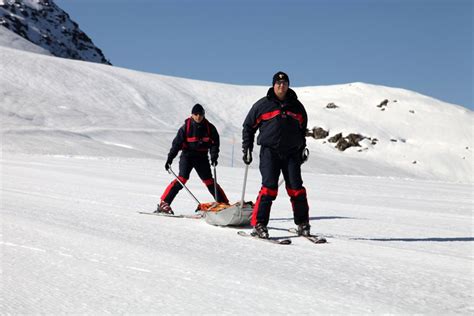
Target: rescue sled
{"x": 221, "y": 214}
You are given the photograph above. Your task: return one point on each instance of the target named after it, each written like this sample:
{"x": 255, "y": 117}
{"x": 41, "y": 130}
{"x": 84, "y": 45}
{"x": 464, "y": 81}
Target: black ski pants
{"x": 271, "y": 164}
{"x": 186, "y": 164}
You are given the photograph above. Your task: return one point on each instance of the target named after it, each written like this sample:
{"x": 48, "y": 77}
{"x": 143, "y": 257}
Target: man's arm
{"x": 177, "y": 143}
{"x": 215, "y": 144}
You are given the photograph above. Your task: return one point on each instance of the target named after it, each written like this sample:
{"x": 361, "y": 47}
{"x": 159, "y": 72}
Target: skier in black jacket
{"x": 281, "y": 120}
{"x": 195, "y": 139}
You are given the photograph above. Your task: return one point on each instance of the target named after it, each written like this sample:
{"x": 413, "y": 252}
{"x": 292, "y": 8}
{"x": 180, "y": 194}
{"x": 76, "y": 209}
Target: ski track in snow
{"x": 73, "y": 242}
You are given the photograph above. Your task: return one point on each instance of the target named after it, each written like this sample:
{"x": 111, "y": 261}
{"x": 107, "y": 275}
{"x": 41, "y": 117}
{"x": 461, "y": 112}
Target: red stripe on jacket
{"x": 298, "y": 117}
{"x": 267, "y": 116}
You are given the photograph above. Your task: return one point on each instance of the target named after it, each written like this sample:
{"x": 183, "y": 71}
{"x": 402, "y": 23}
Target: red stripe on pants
{"x": 299, "y": 203}
{"x": 208, "y": 181}
{"x": 168, "y": 188}
{"x": 295, "y": 193}
{"x": 263, "y": 191}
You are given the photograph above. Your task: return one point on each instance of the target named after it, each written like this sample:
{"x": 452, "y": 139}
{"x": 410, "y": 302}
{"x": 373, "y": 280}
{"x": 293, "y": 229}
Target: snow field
{"x": 72, "y": 242}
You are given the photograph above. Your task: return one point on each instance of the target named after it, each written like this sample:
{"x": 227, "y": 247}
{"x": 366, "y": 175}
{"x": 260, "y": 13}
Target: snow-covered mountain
{"x": 43, "y": 23}
{"x": 64, "y": 107}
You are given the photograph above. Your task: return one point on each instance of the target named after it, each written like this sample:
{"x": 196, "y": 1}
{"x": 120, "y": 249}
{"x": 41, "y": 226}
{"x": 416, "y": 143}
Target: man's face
{"x": 197, "y": 117}
{"x": 280, "y": 88}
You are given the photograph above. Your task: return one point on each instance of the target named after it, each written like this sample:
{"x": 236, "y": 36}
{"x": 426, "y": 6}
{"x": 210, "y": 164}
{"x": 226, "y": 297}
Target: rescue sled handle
{"x": 170, "y": 171}
{"x": 245, "y": 184}
{"x": 215, "y": 184}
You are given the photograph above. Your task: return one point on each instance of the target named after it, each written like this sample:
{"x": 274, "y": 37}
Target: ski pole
{"x": 170, "y": 171}
{"x": 245, "y": 184}
{"x": 215, "y": 184}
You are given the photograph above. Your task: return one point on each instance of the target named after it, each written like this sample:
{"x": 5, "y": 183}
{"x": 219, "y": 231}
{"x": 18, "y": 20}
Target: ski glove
{"x": 247, "y": 158}
{"x": 168, "y": 164}
{"x": 304, "y": 155}
{"x": 213, "y": 161}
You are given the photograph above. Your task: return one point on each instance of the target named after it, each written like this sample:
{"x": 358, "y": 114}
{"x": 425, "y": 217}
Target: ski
{"x": 314, "y": 239}
{"x": 195, "y": 216}
{"x": 273, "y": 240}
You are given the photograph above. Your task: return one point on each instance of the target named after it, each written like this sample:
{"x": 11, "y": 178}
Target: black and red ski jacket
{"x": 196, "y": 139}
{"x": 282, "y": 124}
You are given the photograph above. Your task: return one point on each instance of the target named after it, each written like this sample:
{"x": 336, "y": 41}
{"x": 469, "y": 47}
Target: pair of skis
{"x": 274, "y": 240}
{"x": 194, "y": 216}
{"x": 285, "y": 241}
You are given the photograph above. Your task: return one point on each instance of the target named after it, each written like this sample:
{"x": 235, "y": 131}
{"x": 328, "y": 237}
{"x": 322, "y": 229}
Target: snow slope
{"x": 57, "y": 106}
{"x": 11, "y": 40}
{"x": 72, "y": 242}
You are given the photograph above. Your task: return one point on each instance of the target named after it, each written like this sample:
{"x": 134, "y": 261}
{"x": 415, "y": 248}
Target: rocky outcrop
{"x": 342, "y": 142}
{"x": 317, "y": 133}
{"x": 43, "y": 23}
{"x": 383, "y": 103}
{"x": 351, "y": 140}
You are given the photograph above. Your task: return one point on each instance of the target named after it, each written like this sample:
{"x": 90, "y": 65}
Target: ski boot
{"x": 260, "y": 231}
{"x": 164, "y": 207}
{"x": 304, "y": 229}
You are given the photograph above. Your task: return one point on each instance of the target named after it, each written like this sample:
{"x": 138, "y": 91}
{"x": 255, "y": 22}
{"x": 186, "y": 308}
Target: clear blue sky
{"x": 420, "y": 45}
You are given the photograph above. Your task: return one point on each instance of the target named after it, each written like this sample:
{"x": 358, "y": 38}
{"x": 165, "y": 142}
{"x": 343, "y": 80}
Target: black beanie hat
{"x": 197, "y": 109}
{"x": 280, "y": 76}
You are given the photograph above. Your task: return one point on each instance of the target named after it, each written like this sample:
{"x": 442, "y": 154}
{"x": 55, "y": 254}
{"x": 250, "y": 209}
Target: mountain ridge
{"x": 45, "y": 24}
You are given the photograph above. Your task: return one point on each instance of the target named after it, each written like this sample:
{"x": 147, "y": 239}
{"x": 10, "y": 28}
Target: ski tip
{"x": 273, "y": 240}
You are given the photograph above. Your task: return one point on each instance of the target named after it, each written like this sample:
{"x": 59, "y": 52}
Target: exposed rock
{"x": 331, "y": 106}
{"x": 43, "y": 23}
{"x": 354, "y": 139}
{"x": 351, "y": 140}
{"x": 342, "y": 144}
{"x": 383, "y": 103}
{"x": 335, "y": 138}
{"x": 317, "y": 133}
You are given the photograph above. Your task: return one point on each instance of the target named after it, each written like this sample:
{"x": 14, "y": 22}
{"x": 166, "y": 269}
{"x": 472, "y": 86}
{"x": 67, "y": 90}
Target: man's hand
{"x": 247, "y": 158}
{"x": 213, "y": 161}
{"x": 168, "y": 164}
{"x": 304, "y": 155}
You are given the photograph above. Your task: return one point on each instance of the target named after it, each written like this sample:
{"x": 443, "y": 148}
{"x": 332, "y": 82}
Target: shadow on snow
{"x": 315, "y": 218}
{"x": 437, "y": 239}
